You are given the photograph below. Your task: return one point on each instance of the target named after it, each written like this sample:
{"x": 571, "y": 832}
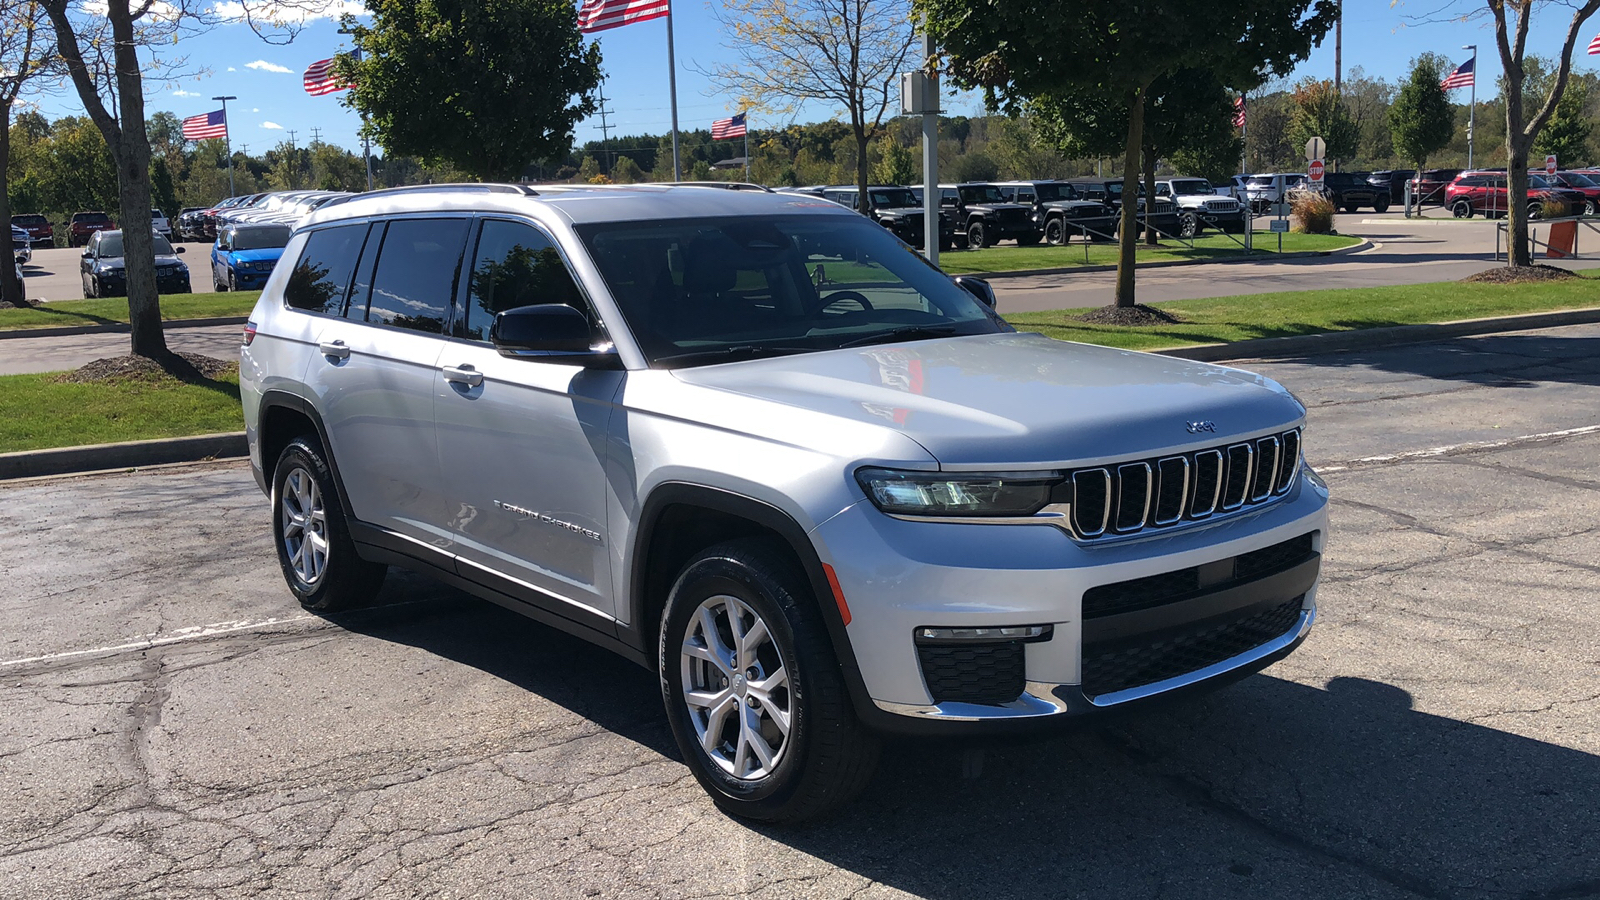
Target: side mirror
{"x": 88, "y": 254}
{"x": 179, "y": 249}
{"x": 553, "y": 332}
{"x": 977, "y": 287}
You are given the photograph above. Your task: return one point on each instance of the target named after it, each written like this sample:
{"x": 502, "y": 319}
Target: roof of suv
{"x": 577, "y": 203}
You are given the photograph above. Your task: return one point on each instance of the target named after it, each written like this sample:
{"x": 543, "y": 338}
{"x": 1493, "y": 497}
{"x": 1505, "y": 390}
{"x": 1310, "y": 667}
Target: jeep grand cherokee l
{"x": 820, "y": 509}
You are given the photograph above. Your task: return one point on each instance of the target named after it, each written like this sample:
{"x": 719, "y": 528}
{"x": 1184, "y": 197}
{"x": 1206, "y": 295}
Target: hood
{"x": 263, "y": 254}
{"x": 1001, "y": 206}
{"x": 1072, "y": 204}
{"x": 1018, "y": 399}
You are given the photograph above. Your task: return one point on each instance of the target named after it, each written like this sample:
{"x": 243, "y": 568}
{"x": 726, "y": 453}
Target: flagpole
{"x": 672, "y": 87}
{"x": 1472, "y": 108}
{"x": 747, "y": 146}
{"x": 227, "y": 139}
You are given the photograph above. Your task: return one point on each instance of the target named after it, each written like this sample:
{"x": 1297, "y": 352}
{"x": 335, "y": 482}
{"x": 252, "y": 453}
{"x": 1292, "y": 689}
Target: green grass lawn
{"x": 1224, "y": 319}
{"x": 37, "y": 411}
{"x": 1011, "y": 258}
{"x": 113, "y": 310}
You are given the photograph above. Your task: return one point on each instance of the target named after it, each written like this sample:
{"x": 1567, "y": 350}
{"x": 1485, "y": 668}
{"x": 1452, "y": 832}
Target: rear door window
{"x": 515, "y": 265}
{"x": 416, "y": 273}
{"x": 320, "y": 279}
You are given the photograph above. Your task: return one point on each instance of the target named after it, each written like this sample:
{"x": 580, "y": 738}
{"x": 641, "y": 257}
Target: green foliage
{"x": 1570, "y": 126}
{"x": 898, "y": 164}
{"x": 976, "y": 166}
{"x": 162, "y": 191}
{"x": 489, "y": 86}
{"x": 626, "y": 171}
{"x": 1319, "y": 112}
{"x": 1421, "y": 121}
{"x": 1188, "y": 116}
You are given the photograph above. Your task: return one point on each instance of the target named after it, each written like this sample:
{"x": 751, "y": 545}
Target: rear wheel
{"x": 1462, "y": 209}
{"x": 315, "y": 550}
{"x": 1535, "y": 210}
{"x": 753, "y": 690}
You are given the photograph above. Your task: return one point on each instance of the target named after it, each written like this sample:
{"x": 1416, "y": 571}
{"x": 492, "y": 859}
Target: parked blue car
{"x": 244, "y": 255}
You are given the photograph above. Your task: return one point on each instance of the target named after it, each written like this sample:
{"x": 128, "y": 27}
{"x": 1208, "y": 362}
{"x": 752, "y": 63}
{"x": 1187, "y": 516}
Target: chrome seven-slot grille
{"x": 1159, "y": 493}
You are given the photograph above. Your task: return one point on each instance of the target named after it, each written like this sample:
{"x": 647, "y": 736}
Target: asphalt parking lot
{"x": 175, "y": 726}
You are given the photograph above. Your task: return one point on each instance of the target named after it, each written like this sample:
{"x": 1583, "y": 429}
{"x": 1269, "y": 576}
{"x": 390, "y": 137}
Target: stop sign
{"x": 1314, "y": 171}
{"x": 1550, "y": 164}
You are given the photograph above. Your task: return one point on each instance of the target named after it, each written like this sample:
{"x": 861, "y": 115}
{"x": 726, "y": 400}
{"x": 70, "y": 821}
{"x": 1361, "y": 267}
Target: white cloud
{"x": 256, "y": 109}
{"x": 262, "y": 65}
{"x": 264, "y": 11}
{"x": 272, "y": 125}
{"x": 183, "y": 93}
{"x": 232, "y": 69}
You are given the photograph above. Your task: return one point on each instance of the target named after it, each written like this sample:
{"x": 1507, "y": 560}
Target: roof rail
{"x": 725, "y": 185}
{"x": 465, "y": 187}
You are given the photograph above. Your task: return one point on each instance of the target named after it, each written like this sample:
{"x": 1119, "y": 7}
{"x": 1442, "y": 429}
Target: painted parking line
{"x": 1468, "y": 447}
{"x": 182, "y": 635}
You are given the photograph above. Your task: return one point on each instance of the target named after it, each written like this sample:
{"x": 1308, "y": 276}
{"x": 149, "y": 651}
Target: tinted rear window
{"x": 416, "y": 274}
{"x": 29, "y": 220}
{"x": 321, "y": 276}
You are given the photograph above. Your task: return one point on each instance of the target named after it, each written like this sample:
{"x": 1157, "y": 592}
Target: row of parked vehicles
{"x": 1465, "y": 192}
{"x": 980, "y": 214}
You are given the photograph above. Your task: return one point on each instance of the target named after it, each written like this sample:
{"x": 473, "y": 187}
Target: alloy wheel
{"x": 736, "y": 688}
{"x": 305, "y": 525}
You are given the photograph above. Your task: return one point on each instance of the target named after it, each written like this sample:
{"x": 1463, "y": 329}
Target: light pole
{"x": 366, "y": 139}
{"x": 1472, "y": 104}
{"x": 227, "y": 138}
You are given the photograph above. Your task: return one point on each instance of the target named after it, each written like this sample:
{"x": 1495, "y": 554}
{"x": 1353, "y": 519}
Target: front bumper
{"x": 249, "y": 281}
{"x": 901, "y": 576}
{"x": 117, "y": 285}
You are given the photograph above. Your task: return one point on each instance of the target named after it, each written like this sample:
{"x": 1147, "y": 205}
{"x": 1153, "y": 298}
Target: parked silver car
{"x": 754, "y": 442}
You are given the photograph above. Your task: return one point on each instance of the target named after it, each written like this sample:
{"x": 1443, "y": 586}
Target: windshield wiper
{"x": 904, "y": 332}
{"x": 732, "y": 353}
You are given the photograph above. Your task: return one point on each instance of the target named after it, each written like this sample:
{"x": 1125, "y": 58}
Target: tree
{"x": 1511, "y": 23}
{"x": 488, "y": 86}
{"x": 849, "y": 53}
{"x": 898, "y": 164}
{"x": 1024, "y": 49}
{"x": 1567, "y": 133}
{"x": 1320, "y": 112}
{"x": 1421, "y": 119}
{"x": 25, "y": 52}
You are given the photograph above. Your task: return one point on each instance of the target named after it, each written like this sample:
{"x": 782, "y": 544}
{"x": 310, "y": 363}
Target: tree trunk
{"x": 1128, "y": 229}
{"x": 1151, "y": 236}
{"x": 1517, "y": 253}
{"x": 132, "y": 153}
{"x": 862, "y": 201}
{"x": 10, "y": 288}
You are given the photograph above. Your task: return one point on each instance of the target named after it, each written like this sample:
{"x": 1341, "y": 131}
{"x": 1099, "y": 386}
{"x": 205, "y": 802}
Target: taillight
{"x": 249, "y": 333}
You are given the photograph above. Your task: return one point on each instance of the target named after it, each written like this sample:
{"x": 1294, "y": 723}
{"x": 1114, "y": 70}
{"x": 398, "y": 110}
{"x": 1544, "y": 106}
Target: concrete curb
{"x": 1364, "y": 244}
{"x": 117, "y": 328}
{"x": 163, "y": 451}
{"x": 126, "y": 455}
{"x": 1373, "y": 338}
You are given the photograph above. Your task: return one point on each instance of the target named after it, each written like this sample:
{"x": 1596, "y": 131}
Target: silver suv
{"x": 755, "y": 442}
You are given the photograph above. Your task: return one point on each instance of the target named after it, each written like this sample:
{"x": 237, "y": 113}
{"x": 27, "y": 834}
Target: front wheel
{"x": 315, "y": 550}
{"x": 753, "y": 690}
{"x": 1535, "y": 210}
{"x": 1189, "y": 225}
{"x": 1382, "y": 206}
{"x": 977, "y": 237}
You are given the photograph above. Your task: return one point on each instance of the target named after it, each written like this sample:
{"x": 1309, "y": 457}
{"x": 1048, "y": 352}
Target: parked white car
{"x": 1265, "y": 190}
{"x": 159, "y": 224}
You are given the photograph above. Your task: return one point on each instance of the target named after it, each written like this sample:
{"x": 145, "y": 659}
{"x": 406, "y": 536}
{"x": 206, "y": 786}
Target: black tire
{"x": 977, "y": 236}
{"x": 1535, "y": 211}
{"x": 1189, "y": 225}
{"x": 829, "y": 755}
{"x": 1462, "y": 209}
{"x": 345, "y": 580}
{"x": 1593, "y": 208}
{"x": 1382, "y": 206}
{"x": 1055, "y": 232}
{"x": 233, "y": 283}
{"x": 216, "y": 285}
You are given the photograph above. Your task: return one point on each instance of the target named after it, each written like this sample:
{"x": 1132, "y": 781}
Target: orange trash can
{"x": 1563, "y": 240}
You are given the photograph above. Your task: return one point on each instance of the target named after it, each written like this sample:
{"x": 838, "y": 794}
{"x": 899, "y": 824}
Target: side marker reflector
{"x": 838, "y": 593}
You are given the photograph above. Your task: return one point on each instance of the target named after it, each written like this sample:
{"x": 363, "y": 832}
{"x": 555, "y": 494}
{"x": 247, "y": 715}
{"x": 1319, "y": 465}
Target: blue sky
{"x": 230, "y": 59}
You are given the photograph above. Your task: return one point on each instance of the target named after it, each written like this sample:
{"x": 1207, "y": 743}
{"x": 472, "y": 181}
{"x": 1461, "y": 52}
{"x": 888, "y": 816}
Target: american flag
{"x": 1238, "y": 112}
{"x": 722, "y": 129}
{"x": 204, "y": 127}
{"x": 598, "y": 15}
{"x": 1594, "y": 46}
{"x": 320, "y": 79}
{"x": 1460, "y": 78}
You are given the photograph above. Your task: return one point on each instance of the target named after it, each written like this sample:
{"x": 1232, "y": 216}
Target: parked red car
{"x": 1584, "y": 184}
{"x": 84, "y": 224}
{"x": 1485, "y": 192}
{"x": 1430, "y": 184}
{"x": 39, "y": 229}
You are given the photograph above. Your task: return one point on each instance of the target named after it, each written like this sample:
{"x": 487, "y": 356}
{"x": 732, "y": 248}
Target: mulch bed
{"x": 1520, "y": 275}
{"x": 185, "y": 367}
{"x": 1135, "y": 315}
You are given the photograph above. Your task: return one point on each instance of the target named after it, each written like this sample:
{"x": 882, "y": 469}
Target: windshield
{"x": 1260, "y": 181}
{"x": 28, "y": 220}
{"x": 1051, "y": 192}
{"x": 1537, "y": 181}
{"x": 1191, "y": 186}
{"x": 260, "y": 238}
{"x": 701, "y": 291}
{"x": 1573, "y": 179}
{"x": 980, "y": 193}
{"x": 893, "y": 197}
{"x": 111, "y": 245}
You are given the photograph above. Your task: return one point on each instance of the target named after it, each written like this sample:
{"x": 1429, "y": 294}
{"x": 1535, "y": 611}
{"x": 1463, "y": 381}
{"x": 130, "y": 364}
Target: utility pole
{"x": 605, "y": 129}
{"x": 316, "y": 136}
{"x": 291, "y": 132}
{"x": 227, "y": 137}
{"x": 1472, "y": 103}
{"x": 1338, "y": 53}
{"x": 366, "y": 139}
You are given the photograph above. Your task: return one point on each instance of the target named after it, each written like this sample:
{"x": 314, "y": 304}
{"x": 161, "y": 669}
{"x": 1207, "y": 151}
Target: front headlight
{"x": 958, "y": 493}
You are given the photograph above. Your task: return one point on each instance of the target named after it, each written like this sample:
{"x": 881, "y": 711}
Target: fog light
{"x": 1008, "y": 633}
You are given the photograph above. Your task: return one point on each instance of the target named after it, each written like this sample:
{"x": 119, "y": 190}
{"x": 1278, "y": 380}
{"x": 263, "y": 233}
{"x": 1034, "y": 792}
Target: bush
{"x": 1310, "y": 213}
{"x": 1554, "y": 207}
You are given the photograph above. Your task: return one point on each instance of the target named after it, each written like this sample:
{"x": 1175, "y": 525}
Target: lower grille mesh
{"x": 1155, "y": 590}
{"x": 977, "y": 673}
{"x": 1112, "y": 670}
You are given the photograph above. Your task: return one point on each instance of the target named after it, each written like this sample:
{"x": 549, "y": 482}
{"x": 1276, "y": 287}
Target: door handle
{"x": 334, "y": 349}
{"x": 466, "y": 375}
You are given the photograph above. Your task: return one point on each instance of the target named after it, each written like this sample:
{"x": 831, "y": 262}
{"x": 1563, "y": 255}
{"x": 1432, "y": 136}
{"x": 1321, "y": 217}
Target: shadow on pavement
{"x": 1264, "y": 788}
{"x": 1502, "y": 360}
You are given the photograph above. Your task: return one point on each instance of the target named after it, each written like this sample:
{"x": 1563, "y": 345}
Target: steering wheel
{"x": 856, "y": 296}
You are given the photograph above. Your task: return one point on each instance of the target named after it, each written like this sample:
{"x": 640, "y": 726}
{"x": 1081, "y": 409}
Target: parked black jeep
{"x": 896, "y": 209}
{"x": 1163, "y": 214}
{"x": 983, "y": 218}
{"x": 1060, "y": 212}
{"x": 1350, "y": 191}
